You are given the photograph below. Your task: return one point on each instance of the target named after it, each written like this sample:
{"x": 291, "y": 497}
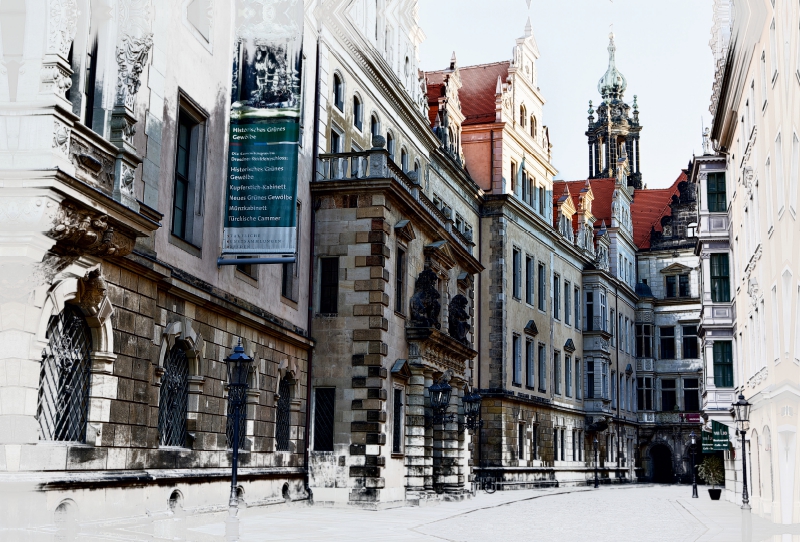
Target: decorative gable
{"x": 531, "y": 329}
{"x": 400, "y": 369}
{"x": 439, "y": 255}
{"x": 404, "y": 230}
{"x": 569, "y": 346}
{"x": 676, "y": 269}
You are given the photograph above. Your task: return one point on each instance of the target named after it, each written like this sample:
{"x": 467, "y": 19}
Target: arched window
{"x": 523, "y": 115}
{"x": 358, "y": 113}
{"x": 403, "y": 160}
{"x": 338, "y": 92}
{"x": 416, "y": 166}
{"x": 282, "y": 415}
{"x": 173, "y": 399}
{"x": 390, "y": 144}
{"x": 64, "y": 378}
{"x": 407, "y": 71}
{"x": 374, "y": 126}
{"x": 533, "y": 126}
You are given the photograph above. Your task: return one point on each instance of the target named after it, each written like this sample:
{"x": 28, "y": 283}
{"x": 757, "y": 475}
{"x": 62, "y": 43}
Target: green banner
{"x": 720, "y": 435}
{"x": 264, "y": 135}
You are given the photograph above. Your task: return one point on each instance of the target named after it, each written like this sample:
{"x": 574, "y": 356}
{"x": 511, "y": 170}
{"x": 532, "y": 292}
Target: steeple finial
{"x": 528, "y": 28}
{"x": 453, "y": 61}
{"x": 499, "y": 88}
{"x": 613, "y": 83}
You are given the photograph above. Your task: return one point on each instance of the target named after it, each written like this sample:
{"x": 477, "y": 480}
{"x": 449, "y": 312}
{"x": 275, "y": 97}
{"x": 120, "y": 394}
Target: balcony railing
{"x": 376, "y": 164}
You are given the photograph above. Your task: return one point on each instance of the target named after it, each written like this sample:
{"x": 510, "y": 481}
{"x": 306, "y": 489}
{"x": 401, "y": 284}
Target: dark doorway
{"x": 662, "y": 464}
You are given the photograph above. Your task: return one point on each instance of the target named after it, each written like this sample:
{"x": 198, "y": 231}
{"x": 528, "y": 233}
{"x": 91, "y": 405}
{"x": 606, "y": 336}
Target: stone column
{"x": 415, "y": 431}
{"x": 429, "y": 435}
{"x": 705, "y": 264}
{"x": 446, "y": 446}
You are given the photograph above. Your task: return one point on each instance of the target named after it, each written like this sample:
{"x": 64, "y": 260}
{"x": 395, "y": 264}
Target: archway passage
{"x": 662, "y": 464}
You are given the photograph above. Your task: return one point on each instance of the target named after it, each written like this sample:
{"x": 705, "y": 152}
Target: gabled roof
{"x": 649, "y": 206}
{"x": 479, "y": 90}
{"x": 602, "y": 190}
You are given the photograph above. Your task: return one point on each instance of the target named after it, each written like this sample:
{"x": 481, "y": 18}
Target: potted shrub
{"x": 712, "y": 471}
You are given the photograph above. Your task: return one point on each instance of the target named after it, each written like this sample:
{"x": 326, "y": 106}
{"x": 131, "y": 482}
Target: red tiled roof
{"x": 477, "y": 94}
{"x": 649, "y": 207}
{"x": 434, "y": 91}
{"x": 602, "y": 190}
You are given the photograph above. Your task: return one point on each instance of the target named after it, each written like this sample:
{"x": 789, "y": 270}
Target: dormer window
{"x": 677, "y": 286}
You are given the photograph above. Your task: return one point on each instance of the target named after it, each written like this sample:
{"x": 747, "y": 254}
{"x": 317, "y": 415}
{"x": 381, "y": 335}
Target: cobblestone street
{"x": 628, "y": 513}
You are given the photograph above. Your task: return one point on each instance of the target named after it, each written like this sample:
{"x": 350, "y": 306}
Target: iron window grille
{"x": 232, "y": 391}
{"x": 65, "y": 377}
{"x": 324, "y": 400}
{"x": 173, "y": 399}
{"x": 282, "y": 416}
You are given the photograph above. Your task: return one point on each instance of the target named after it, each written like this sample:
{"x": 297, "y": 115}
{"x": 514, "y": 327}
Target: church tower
{"x": 615, "y": 133}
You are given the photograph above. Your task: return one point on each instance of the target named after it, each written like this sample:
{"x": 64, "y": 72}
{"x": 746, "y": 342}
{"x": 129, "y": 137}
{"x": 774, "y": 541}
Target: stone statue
{"x": 458, "y": 318}
{"x": 707, "y": 142}
{"x": 425, "y": 304}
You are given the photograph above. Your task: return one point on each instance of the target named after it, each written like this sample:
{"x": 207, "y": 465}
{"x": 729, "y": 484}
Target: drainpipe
{"x": 310, "y": 313}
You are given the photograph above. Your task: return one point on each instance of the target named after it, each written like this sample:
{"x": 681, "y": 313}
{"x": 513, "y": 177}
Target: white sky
{"x": 662, "y": 49}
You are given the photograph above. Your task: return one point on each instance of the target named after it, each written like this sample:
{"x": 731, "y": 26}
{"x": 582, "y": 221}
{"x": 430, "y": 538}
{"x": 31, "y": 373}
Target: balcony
{"x": 670, "y": 418}
{"x": 376, "y": 164}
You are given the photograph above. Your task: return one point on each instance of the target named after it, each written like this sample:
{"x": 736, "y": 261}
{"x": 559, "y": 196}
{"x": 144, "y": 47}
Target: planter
{"x": 715, "y": 494}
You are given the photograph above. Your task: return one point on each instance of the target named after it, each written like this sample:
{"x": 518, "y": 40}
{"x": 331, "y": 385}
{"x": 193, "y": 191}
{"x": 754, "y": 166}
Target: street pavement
{"x": 635, "y": 513}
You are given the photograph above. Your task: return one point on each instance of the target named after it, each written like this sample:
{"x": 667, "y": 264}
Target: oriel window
{"x": 720, "y": 278}
{"x": 717, "y": 202}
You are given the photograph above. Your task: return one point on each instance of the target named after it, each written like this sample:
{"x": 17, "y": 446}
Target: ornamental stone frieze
{"x": 80, "y": 232}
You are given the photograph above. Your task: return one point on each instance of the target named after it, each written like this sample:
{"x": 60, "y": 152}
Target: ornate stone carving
{"x": 126, "y": 180}
{"x": 61, "y": 137}
{"x": 92, "y": 166}
{"x": 80, "y": 232}
{"x": 425, "y": 306}
{"x": 458, "y": 318}
{"x": 61, "y": 26}
{"x": 131, "y": 57}
{"x": 56, "y": 78}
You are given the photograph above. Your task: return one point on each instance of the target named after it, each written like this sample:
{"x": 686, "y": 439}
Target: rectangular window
{"x": 555, "y": 444}
{"x": 516, "y": 273}
{"x": 611, "y": 329}
{"x": 567, "y": 303}
{"x": 578, "y": 380}
{"x": 644, "y": 341}
{"x": 398, "y": 421}
{"x": 603, "y": 313}
{"x": 720, "y": 278}
{"x": 562, "y": 437}
{"x": 668, "y": 399}
{"x": 683, "y": 286}
{"x": 574, "y": 445}
{"x": 187, "y": 196}
{"x": 723, "y": 364}
{"x": 248, "y": 269}
{"x": 542, "y": 287}
{"x": 535, "y": 441}
{"x": 576, "y": 299}
{"x": 717, "y": 200}
{"x": 287, "y": 281}
{"x": 604, "y": 375}
{"x": 568, "y": 376}
{"x": 621, "y": 330}
{"x": 671, "y": 286}
{"x": 513, "y": 176}
{"x": 529, "y": 280}
{"x": 329, "y": 285}
{"x": 644, "y": 393}
{"x": 691, "y": 395}
{"x": 689, "y": 339}
{"x": 541, "y": 200}
{"x": 516, "y": 347}
{"x": 589, "y": 311}
{"x": 556, "y": 297}
{"x": 400, "y": 282}
{"x": 623, "y": 390}
{"x": 529, "y": 381}
{"x": 542, "y": 367}
{"x": 557, "y": 372}
{"x": 323, "y": 419}
{"x": 590, "y": 379}
{"x": 337, "y": 142}
{"x": 521, "y": 441}
{"x": 667, "y": 342}
{"x": 613, "y": 389}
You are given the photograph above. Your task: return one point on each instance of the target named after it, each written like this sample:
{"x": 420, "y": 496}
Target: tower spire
{"x": 613, "y": 83}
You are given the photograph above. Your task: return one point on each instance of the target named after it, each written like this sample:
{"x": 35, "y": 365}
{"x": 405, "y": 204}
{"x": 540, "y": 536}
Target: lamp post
{"x": 693, "y": 438}
{"x": 742, "y": 411}
{"x": 238, "y": 364}
{"x": 596, "y": 478}
{"x": 439, "y": 394}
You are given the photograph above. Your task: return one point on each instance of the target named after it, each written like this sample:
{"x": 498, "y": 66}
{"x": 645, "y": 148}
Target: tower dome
{"x": 613, "y": 83}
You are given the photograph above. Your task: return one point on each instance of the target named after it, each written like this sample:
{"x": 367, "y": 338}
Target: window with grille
{"x": 64, "y": 378}
{"x": 324, "y": 400}
{"x": 398, "y": 421}
{"x": 173, "y": 399}
{"x": 282, "y": 414}
{"x": 242, "y": 419}
{"x": 521, "y": 441}
{"x": 329, "y": 286}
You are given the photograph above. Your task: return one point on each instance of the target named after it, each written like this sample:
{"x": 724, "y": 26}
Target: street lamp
{"x": 596, "y": 479}
{"x": 742, "y": 410}
{"x": 693, "y": 437}
{"x": 472, "y": 410}
{"x": 439, "y": 394}
{"x": 238, "y": 364}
